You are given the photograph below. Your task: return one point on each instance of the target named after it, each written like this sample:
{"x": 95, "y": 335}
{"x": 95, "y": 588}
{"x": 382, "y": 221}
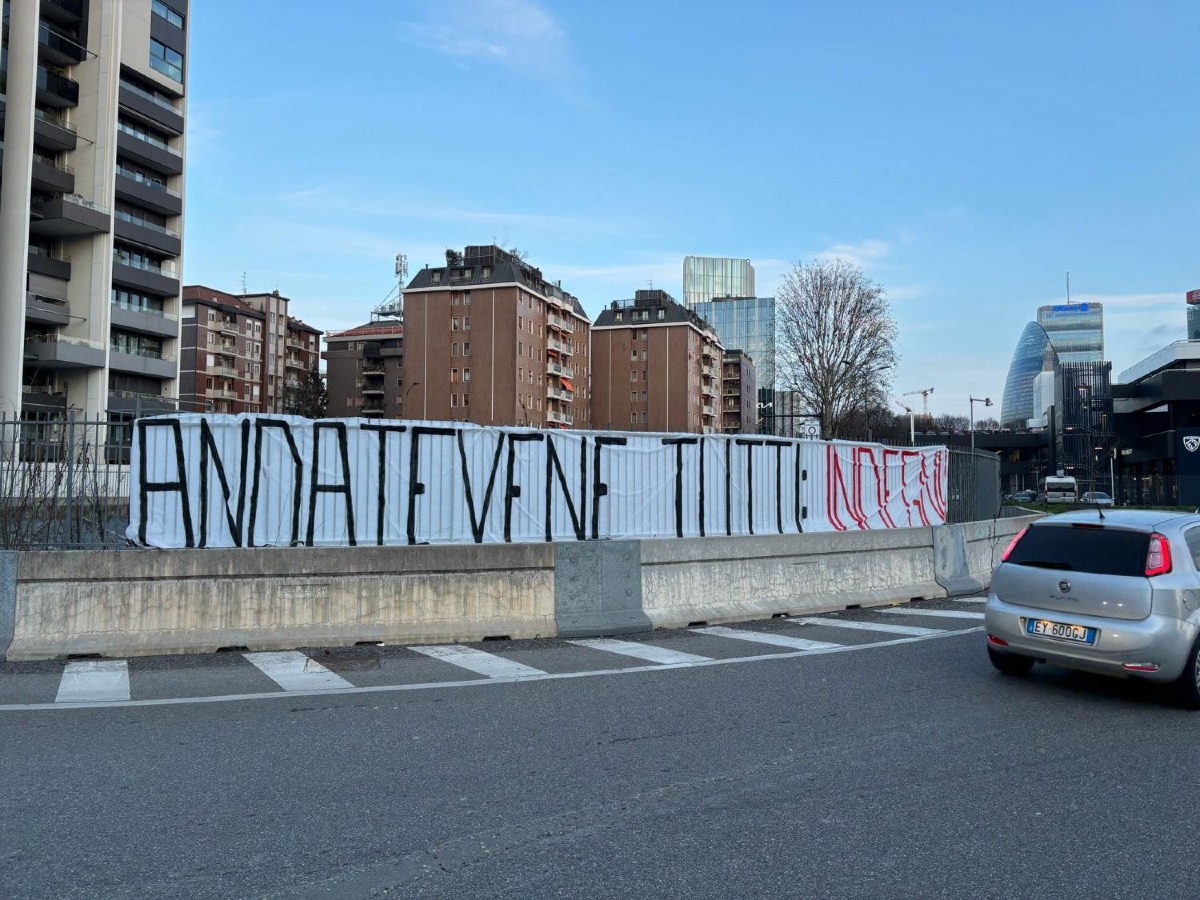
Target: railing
{"x": 151, "y": 96}
{"x": 143, "y": 352}
{"x": 49, "y": 254}
{"x": 77, "y": 201}
{"x": 563, "y": 347}
{"x": 136, "y": 262}
{"x": 229, "y": 327}
{"x": 64, "y": 339}
{"x": 553, "y": 368}
{"x": 147, "y": 310}
{"x": 554, "y": 393}
{"x": 149, "y": 182}
{"x": 126, "y": 216}
{"x": 562, "y": 323}
{"x": 147, "y": 138}
{"x": 54, "y": 164}
{"x": 54, "y": 119}
{"x": 227, "y": 371}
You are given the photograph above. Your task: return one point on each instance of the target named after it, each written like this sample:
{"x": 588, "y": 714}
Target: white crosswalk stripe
{"x": 648, "y": 652}
{"x": 970, "y": 599}
{"x": 89, "y": 681}
{"x": 766, "y": 637}
{"x": 933, "y": 613}
{"x": 293, "y": 671}
{"x": 478, "y": 661}
{"x": 868, "y": 626}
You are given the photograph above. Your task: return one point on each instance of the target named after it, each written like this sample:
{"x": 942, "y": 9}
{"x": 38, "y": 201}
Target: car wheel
{"x": 1010, "y": 663}
{"x": 1187, "y": 686}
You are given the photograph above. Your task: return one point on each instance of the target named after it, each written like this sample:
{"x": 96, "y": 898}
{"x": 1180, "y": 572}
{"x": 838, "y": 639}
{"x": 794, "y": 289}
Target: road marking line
{"x": 480, "y": 682}
{"x": 868, "y": 626}
{"x": 766, "y": 637}
{"x": 94, "y": 680}
{"x": 970, "y": 599}
{"x": 932, "y": 613}
{"x": 478, "y": 661}
{"x": 647, "y": 652}
{"x": 293, "y": 671}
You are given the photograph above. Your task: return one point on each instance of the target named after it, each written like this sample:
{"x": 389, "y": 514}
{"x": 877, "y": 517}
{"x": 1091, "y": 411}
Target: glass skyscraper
{"x": 746, "y": 324}
{"x": 710, "y": 277}
{"x": 1017, "y": 407}
{"x": 1076, "y": 330}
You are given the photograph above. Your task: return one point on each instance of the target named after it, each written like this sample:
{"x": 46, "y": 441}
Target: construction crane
{"x": 912, "y": 428}
{"x": 924, "y": 399}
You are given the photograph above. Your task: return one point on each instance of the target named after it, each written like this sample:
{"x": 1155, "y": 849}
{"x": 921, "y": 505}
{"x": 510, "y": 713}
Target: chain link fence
{"x": 973, "y": 486}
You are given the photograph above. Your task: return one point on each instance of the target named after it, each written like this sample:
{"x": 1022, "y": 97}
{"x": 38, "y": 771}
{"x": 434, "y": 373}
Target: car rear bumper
{"x": 1161, "y": 640}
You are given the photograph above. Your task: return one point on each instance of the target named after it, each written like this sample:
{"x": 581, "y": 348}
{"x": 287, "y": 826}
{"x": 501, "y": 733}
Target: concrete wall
{"x": 139, "y": 602}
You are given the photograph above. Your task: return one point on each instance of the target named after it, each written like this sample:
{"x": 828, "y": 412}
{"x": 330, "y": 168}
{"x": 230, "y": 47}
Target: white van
{"x": 1058, "y": 489}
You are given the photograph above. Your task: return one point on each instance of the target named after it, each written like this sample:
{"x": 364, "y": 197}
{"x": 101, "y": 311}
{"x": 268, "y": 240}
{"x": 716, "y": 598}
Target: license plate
{"x": 1080, "y": 634}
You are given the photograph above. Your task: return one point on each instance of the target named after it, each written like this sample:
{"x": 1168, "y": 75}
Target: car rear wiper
{"x": 1046, "y": 564}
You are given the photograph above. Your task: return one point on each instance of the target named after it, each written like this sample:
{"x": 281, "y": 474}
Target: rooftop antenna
{"x": 1068, "y": 287}
{"x": 243, "y": 283}
{"x": 393, "y": 307}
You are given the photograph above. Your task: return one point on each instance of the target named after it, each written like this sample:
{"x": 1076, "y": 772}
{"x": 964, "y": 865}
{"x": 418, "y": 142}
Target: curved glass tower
{"x": 1017, "y": 407}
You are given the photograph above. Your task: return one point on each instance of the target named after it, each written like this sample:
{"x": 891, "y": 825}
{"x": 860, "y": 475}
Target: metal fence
{"x": 64, "y": 483}
{"x": 973, "y": 486}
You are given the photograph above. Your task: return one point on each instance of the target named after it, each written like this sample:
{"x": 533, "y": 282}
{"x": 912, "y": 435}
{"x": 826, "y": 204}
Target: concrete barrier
{"x": 139, "y": 602}
{"x": 129, "y": 603}
{"x": 726, "y": 579}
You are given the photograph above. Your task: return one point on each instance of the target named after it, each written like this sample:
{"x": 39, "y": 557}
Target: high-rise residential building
{"x": 656, "y": 366}
{"x": 364, "y": 370}
{"x": 92, "y": 113}
{"x": 488, "y": 339}
{"x": 709, "y": 277}
{"x": 230, "y": 361}
{"x": 1075, "y": 330}
{"x": 739, "y": 394}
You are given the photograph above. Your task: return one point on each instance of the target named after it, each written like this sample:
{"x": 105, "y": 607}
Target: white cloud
{"x": 517, "y": 34}
{"x": 863, "y": 254}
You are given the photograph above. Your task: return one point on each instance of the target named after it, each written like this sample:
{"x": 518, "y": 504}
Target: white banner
{"x": 259, "y": 480}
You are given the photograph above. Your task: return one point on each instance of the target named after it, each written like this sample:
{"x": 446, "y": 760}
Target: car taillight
{"x": 1013, "y": 543}
{"x": 1158, "y": 557}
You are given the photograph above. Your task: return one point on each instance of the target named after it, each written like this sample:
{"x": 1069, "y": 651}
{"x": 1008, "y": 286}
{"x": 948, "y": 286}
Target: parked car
{"x": 1096, "y": 498}
{"x": 1024, "y": 497}
{"x": 1113, "y": 592}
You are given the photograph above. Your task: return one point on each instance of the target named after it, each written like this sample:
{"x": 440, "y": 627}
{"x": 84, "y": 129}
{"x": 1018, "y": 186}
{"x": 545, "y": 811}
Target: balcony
{"x": 563, "y": 347}
{"x": 142, "y": 362}
{"x": 559, "y": 418}
{"x": 130, "y": 271}
{"x": 50, "y": 264}
{"x": 708, "y": 390}
{"x": 372, "y": 409}
{"x": 229, "y": 327}
{"x": 135, "y": 187}
{"x": 57, "y": 48}
{"x": 144, "y": 320}
{"x": 294, "y": 344}
{"x": 53, "y": 132}
{"x": 151, "y": 106}
{"x": 50, "y": 176}
{"x": 708, "y": 371}
{"x": 372, "y": 390}
{"x": 553, "y": 368}
{"x": 145, "y": 151}
{"x": 69, "y": 215}
{"x": 553, "y": 393}
{"x": 226, "y": 371}
{"x": 374, "y": 368}
{"x": 56, "y": 351}
{"x": 42, "y": 398}
{"x": 66, "y": 12}
{"x": 295, "y": 362}
{"x": 149, "y": 235}
{"x": 45, "y": 310}
{"x": 562, "y": 323}
{"x": 55, "y": 89}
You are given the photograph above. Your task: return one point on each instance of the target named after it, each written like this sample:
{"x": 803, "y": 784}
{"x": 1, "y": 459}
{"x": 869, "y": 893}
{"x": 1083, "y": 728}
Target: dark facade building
{"x": 656, "y": 367}
{"x": 739, "y": 394}
{"x": 364, "y": 370}
{"x": 92, "y": 122}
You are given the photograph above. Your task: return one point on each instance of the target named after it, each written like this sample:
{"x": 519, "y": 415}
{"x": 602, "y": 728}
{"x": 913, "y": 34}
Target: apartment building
{"x": 488, "y": 339}
{"x": 656, "y": 366}
{"x": 92, "y": 122}
{"x": 739, "y": 394}
{"x": 363, "y": 370}
{"x": 243, "y": 353}
{"x": 221, "y": 360}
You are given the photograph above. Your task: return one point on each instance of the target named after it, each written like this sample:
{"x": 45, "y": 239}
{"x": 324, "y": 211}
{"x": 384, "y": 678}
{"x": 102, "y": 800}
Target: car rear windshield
{"x": 1104, "y": 551}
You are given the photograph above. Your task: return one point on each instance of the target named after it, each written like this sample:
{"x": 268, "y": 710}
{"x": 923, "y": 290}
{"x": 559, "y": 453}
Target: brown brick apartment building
{"x": 240, "y": 351}
{"x": 739, "y": 394}
{"x": 363, "y": 370}
{"x": 489, "y": 340}
{"x": 656, "y": 366}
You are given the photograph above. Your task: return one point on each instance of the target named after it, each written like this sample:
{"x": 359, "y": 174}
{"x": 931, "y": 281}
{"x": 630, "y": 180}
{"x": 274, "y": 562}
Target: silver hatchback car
{"x": 1115, "y": 592}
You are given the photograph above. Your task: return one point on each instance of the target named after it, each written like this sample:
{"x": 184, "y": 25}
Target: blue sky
{"x": 966, "y": 155}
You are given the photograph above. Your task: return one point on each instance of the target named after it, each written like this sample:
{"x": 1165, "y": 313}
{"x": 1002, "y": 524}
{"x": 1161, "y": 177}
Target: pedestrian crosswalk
{"x": 101, "y": 681}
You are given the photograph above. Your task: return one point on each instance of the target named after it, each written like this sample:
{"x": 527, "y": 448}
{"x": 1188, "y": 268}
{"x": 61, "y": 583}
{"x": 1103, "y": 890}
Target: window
{"x": 454, "y": 376}
{"x": 643, "y": 417}
{"x": 520, "y": 323}
{"x": 633, "y": 396}
{"x": 164, "y": 59}
{"x": 454, "y": 349}
{"x": 467, "y": 374}
{"x": 163, "y": 11}
{"x": 620, "y": 316}
{"x": 520, "y": 349}
{"x": 531, "y": 376}
{"x": 643, "y": 356}
{"x": 466, "y": 323}
{"x": 643, "y": 396}
{"x": 467, "y": 298}
{"x": 466, "y": 348}
{"x": 633, "y": 418}
{"x": 466, "y": 399}
{"x": 662, "y": 314}
{"x": 454, "y": 400}
{"x": 633, "y": 353}
{"x": 437, "y": 277}
{"x": 644, "y": 375}
{"x": 633, "y": 375}
{"x": 454, "y": 324}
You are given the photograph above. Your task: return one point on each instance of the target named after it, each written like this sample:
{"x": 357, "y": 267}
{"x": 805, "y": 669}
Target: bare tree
{"x": 836, "y": 342}
{"x": 950, "y": 422}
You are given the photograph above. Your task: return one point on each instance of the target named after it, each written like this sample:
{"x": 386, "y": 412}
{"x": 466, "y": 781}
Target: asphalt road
{"x": 904, "y": 770}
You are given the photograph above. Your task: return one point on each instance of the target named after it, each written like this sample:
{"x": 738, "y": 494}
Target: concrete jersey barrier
{"x": 138, "y": 602}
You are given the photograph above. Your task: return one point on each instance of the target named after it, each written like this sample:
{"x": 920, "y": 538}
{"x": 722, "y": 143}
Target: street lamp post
{"x": 761, "y": 407}
{"x": 406, "y": 393}
{"x": 986, "y": 401}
